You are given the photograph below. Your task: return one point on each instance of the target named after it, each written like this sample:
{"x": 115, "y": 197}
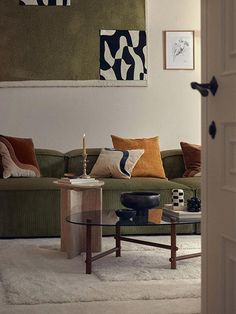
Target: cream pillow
{"x": 116, "y": 163}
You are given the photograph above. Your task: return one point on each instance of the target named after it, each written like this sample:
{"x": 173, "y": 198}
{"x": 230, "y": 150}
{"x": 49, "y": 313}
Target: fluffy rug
{"x": 34, "y": 271}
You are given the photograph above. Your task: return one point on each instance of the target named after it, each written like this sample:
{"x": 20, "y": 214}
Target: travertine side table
{"x": 77, "y": 198}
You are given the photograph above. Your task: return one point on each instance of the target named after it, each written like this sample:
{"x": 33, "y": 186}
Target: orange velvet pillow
{"x": 150, "y": 163}
{"x": 18, "y": 157}
{"x": 192, "y": 159}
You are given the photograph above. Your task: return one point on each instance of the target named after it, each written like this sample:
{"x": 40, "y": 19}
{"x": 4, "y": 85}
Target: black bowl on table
{"x": 141, "y": 202}
{"x": 125, "y": 214}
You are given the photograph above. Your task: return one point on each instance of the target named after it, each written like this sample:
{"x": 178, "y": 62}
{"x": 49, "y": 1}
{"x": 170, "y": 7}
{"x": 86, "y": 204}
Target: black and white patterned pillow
{"x": 116, "y": 163}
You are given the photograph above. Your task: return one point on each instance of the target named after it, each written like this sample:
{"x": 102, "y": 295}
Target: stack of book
{"x": 180, "y": 215}
{"x": 78, "y": 180}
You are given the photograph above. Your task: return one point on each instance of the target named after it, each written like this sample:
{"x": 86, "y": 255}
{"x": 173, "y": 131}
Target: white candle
{"x": 84, "y": 147}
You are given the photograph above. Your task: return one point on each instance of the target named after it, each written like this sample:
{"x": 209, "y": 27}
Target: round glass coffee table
{"x": 84, "y": 219}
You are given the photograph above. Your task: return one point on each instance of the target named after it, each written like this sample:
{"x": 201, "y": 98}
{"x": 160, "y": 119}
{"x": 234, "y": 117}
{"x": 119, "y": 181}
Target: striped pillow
{"x": 18, "y": 157}
{"x": 116, "y": 163}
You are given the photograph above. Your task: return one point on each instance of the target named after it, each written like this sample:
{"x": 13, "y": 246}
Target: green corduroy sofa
{"x": 30, "y": 207}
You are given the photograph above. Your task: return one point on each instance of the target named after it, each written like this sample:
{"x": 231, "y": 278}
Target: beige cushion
{"x": 116, "y": 163}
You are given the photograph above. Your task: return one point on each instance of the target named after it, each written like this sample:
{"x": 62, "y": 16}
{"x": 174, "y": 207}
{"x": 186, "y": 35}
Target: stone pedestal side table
{"x": 76, "y": 198}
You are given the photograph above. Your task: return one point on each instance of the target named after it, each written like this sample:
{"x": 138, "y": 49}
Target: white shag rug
{"x": 35, "y": 271}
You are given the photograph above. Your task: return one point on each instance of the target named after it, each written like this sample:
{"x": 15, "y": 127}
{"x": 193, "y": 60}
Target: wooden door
{"x": 219, "y": 158}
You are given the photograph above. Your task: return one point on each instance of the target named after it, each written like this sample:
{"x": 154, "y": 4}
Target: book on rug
{"x": 181, "y": 215}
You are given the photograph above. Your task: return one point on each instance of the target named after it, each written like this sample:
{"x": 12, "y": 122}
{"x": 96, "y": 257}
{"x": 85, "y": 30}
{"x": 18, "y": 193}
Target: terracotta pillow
{"x": 1, "y": 167}
{"x": 150, "y": 163}
{"x": 18, "y": 157}
{"x": 192, "y": 159}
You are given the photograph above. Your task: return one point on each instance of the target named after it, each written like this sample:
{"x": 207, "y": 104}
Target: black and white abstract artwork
{"x": 45, "y": 2}
{"x": 123, "y": 55}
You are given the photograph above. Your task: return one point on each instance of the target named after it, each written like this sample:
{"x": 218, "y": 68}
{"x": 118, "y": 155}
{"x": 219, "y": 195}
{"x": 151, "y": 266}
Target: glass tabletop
{"x": 93, "y": 218}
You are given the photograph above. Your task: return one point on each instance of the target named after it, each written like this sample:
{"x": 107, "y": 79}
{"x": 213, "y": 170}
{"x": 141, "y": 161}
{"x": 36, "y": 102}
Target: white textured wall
{"x": 57, "y": 117}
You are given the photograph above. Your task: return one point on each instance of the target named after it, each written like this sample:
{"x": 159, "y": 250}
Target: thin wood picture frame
{"x": 179, "y": 50}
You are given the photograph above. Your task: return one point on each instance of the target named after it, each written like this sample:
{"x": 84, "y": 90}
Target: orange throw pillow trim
{"x": 192, "y": 158}
{"x": 150, "y": 163}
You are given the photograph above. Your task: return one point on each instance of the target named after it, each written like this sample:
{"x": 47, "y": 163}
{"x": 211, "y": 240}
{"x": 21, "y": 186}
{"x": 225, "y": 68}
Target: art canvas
{"x": 57, "y": 42}
{"x": 45, "y": 2}
{"x": 123, "y": 55}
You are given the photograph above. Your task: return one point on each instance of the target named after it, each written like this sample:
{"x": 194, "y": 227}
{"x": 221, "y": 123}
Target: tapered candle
{"x": 84, "y": 146}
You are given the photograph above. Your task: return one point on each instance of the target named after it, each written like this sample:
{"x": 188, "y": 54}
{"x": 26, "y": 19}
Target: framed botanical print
{"x": 178, "y": 50}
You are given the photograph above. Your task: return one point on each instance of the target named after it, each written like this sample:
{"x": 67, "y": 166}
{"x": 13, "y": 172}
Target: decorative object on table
{"x": 18, "y": 157}
{"x": 192, "y": 159}
{"x": 178, "y": 199}
{"x": 45, "y": 2}
{"x": 116, "y": 163}
{"x": 125, "y": 214}
{"x": 85, "y": 161}
{"x": 150, "y": 164}
{"x": 155, "y": 215}
{"x": 194, "y": 204}
{"x": 180, "y": 215}
{"x": 178, "y": 50}
{"x": 123, "y": 55}
{"x": 141, "y": 202}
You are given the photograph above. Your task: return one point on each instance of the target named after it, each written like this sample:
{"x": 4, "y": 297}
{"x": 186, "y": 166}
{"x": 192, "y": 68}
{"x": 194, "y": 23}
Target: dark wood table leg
{"x": 88, "y": 260}
{"x": 173, "y": 246}
{"x": 118, "y": 246}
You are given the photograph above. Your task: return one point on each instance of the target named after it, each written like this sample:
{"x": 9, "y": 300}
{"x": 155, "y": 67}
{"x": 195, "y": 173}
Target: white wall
{"x": 57, "y": 117}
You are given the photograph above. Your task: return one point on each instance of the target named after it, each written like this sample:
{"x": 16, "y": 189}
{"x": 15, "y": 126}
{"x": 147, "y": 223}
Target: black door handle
{"x": 203, "y": 88}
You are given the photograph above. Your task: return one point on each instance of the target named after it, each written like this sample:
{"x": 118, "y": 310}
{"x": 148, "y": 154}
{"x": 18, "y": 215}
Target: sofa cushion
{"x": 173, "y": 163}
{"x": 150, "y": 164}
{"x": 75, "y": 160}
{"x": 18, "y": 157}
{"x": 116, "y": 163}
{"x": 51, "y": 162}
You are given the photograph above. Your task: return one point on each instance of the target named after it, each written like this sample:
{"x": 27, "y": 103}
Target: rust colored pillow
{"x": 150, "y": 163}
{"x": 18, "y": 157}
{"x": 192, "y": 159}
{"x": 1, "y": 167}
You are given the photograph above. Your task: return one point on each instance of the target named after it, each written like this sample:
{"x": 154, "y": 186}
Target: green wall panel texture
{"x": 60, "y": 43}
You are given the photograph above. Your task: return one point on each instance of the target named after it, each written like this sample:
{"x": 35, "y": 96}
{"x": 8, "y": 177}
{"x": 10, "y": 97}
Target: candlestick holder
{"x": 85, "y": 161}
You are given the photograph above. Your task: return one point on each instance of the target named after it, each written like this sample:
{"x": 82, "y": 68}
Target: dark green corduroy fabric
{"x": 75, "y": 160}
{"x": 29, "y": 213}
{"x": 173, "y": 163}
{"x": 193, "y": 182}
{"x": 51, "y": 162}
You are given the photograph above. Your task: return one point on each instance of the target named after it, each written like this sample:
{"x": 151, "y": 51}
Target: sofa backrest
{"x": 172, "y": 161}
{"x": 51, "y": 162}
{"x": 75, "y": 160}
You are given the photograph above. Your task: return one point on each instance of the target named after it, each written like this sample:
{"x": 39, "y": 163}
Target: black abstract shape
{"x": 64, "y": 2}
{"x": 52, "y": 2}
{"x": 40, "y": 2}
{"x": 123, "y": 162}
{"x": 21, "y": 3}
